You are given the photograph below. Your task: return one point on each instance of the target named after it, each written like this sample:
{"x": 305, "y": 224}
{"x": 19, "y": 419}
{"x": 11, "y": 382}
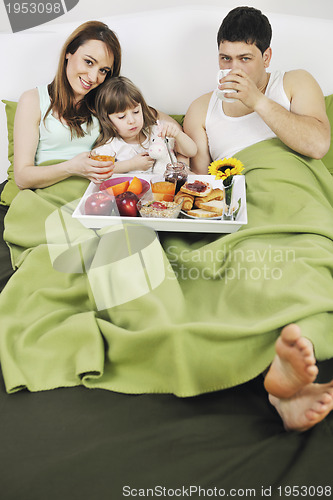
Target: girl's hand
{"x": 142, "y": 161}
{"x": 169, "y": 129}
{"x": 84, "y": 166}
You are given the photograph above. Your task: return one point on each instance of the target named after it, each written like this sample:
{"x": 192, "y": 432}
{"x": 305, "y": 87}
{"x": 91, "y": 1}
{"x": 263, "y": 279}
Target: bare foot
{"x": 306, "y": 408}
{"x": 294, "y": 365}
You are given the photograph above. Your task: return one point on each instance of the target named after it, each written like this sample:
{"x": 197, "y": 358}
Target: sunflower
{"x": 222, "y": 169}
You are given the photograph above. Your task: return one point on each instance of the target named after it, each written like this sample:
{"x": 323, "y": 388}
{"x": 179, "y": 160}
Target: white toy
{"x": 159, "y": 152}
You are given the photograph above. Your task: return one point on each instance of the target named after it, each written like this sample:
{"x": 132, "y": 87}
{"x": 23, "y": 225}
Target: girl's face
{"x": 87, "y": 67}
{"x": 129, "y": 123}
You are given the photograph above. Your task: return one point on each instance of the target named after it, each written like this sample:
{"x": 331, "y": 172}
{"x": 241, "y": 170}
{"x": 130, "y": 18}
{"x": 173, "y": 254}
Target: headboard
{"x": 170, "y": 54}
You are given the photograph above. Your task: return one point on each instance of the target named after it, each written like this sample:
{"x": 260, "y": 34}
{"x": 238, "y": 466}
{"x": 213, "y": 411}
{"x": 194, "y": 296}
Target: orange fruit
{"x": 163, "y": 190}
{"x": 163, "y": 187}
{"x": 118, "y": 188}
{"x": 135, "y": 186}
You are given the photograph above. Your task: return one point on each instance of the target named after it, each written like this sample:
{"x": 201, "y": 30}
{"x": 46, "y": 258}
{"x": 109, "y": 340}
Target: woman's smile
{"x": 85, "y": 84}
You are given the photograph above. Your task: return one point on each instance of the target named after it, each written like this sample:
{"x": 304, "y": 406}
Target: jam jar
{"x": 177, "y": 171}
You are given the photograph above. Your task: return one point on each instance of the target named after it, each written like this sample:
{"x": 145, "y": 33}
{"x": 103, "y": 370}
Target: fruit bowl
{"x": 150, "y": 208}
{"x": 119, "y": 180}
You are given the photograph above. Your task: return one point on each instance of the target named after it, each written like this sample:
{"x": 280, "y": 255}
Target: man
{"x": 287, "y": 105}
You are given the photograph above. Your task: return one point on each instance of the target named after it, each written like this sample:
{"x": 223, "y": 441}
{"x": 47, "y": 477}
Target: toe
{"x": 312, "y": 370}
{"x": 304, "y": 346}
{"x": 326, "y": 398}
{"x": 319, "y": 407}
{"x": 311, "y": 415}
{"x": 309, "y": 360}
{"x": 291, "y": 333}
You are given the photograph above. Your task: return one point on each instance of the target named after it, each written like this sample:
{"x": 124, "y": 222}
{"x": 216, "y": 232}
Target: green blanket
{"x": 119, "y": 309}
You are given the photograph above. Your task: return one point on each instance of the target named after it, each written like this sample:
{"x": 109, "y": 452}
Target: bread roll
{"x": 188, "y": 200}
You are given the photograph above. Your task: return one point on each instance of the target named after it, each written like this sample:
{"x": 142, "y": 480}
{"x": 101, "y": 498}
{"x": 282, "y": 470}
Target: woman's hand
{"x": 84, "y": 166}
{"x": 26, "y": 140}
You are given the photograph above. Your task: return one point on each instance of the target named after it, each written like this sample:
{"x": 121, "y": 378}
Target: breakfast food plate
{"x": 184, "y": 223}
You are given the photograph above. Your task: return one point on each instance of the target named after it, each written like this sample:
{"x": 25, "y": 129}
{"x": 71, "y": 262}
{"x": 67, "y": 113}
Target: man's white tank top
{"x": 227, "y": 135}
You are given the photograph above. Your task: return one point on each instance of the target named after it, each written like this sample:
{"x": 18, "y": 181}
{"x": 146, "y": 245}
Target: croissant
{"x": 188, "y": 200}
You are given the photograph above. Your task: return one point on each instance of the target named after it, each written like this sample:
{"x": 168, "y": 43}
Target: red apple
{"x": 126, "y": 204}
{"x": 99, "y": 203}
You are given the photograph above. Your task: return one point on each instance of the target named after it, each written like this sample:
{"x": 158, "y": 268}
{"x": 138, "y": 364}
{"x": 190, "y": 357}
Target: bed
{"x": 94, "y": 441}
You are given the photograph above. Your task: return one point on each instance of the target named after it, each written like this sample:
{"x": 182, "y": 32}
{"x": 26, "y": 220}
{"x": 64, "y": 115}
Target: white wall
{"x": 92, "y": 9}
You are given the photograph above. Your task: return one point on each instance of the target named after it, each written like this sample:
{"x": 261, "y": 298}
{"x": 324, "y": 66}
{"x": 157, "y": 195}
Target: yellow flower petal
{"x": 226, "y": 167}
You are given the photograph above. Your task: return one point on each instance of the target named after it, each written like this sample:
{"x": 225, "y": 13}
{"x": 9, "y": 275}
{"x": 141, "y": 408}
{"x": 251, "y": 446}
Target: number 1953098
{"x": 305, "y": 491}
{"x": 34, "y": 8}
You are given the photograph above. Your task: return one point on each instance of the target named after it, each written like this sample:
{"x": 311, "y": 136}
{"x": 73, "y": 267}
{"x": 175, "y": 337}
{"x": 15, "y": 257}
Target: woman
{"x": 56, "y": 122}
{"x": 67, "y": 103}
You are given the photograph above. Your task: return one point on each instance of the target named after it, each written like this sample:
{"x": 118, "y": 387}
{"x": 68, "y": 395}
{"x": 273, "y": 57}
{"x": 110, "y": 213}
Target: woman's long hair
{"x": 60, "y": 91}
{"x": 116, "y": 96}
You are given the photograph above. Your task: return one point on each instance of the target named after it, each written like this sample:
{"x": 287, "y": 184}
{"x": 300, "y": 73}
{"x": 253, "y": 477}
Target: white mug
{"x": 220, "y": 93}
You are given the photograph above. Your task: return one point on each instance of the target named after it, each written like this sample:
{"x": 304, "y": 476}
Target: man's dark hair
{"x": 246, "y": 24}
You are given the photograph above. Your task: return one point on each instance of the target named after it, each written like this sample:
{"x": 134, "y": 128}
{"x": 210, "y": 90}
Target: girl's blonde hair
{"x": 116, "y": 96}
{"x": 60, "y": 91}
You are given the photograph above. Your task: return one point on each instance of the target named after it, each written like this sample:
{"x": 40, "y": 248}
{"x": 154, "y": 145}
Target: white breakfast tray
{"x": 164, "y": 224}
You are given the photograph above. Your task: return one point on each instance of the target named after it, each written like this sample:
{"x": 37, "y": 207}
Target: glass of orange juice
{"x": 163, "y": 190}
{"x": 95, "y": 155}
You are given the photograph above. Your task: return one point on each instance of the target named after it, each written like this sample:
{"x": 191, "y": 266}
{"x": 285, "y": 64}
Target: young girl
{"x": 128, "y": 126}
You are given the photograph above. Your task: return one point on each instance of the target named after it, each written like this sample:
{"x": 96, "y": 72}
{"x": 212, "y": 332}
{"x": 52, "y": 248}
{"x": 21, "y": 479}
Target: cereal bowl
{"x": 148, "y": 207}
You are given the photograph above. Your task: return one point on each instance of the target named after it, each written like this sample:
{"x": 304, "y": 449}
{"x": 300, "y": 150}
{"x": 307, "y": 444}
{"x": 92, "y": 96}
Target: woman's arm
{"x": 26, "y": 137}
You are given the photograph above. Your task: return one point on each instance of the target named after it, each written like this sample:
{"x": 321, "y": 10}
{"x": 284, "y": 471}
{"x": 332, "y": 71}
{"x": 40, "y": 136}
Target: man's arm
{"x": 305, "y": 128}
{"x": 194, "y": 126}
